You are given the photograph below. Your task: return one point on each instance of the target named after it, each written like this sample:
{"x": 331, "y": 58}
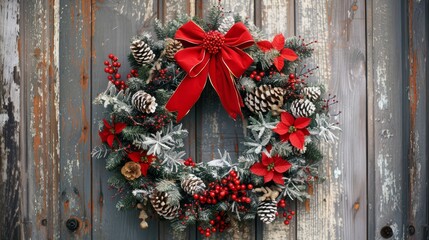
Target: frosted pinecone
{"x": 312, "y": 93}
{"x": 267, "y": 211}
{"x": 193, "y": 184}
{"x": 226, "y": 24}
{"x": 141, "y": 52}
{"x": 160, "y": 203}
{"x": 172, "y": 46}
{"x": 144, "y": 102}
{"x": 302, "y": 108}
{"x": 265, "y": 98}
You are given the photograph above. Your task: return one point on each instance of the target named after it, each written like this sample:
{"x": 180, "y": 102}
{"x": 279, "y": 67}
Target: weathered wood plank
{"x": 216, "y": 131}
{"x": 385, "y": 156}
{"x": 39, "y": 58}
{"x": 115, "y": 22}
{"x": 169, "y": 10}
{"x": 416, "y": 129}
{"x": 10, "y": 119}
{"x": 274, "y": 17}
{"x": 75, "y": 105}
{"x": 338, "y": 207}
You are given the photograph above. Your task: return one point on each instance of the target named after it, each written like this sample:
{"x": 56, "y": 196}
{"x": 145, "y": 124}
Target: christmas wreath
{"x": 143, "y": 141}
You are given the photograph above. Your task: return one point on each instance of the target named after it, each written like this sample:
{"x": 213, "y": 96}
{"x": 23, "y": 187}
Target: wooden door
{"x": 371, "y": 54}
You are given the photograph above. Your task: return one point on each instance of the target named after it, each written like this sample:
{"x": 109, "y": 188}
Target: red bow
{"x": 214, "y": 55}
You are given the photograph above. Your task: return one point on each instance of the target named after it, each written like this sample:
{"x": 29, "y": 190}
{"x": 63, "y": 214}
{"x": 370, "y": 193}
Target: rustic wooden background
{"x": 372, "y": 54}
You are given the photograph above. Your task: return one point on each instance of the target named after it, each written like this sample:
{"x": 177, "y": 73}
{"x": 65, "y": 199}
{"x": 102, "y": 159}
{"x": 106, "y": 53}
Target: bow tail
{"x": 187, "y": 94}
{"x": 223, "y": 83}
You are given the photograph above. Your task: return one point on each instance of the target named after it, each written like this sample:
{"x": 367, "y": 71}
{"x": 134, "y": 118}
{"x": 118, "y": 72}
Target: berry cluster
{"x": 112, "y": 68}
{"x": 189, "y": 162}
{"x": 257, "y": 75}
{"x": 213, "y": 41}
{"x": 227, "y": 189}
{"x": 155, "y": 122}
{"x": 218, "y": 224}
{"x": 133, "y": 73}
{"x": 288, "y": 214}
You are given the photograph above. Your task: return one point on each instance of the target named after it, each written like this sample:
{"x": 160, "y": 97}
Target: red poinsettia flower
{"x": 271, "y": 168}
{"x": 278, "y": 44}
{"x": 143, "y": 159}
{"x": 110, "y": 131}
{"x": 293, "y": 129}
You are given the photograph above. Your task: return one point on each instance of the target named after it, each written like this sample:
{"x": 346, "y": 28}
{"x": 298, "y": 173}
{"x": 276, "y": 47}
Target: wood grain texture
{"x": 39, "y": 59}
{"x": 386, "y": 167}
{"x": 417, "y": 122}
{"x": 10, "y": 119}
{"x": 339, "y": 28}
{"x": 75, "y": 112}
{"x": 215, "y": 130}
{"x": 115, "y": 22}
{"x": 274, "y": 17}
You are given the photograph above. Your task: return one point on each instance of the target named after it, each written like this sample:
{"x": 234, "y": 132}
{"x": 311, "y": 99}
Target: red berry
{"x": 106, "y": 69}
{"x": 111, "y": 71}
{"x": 213, "y": 229}
{"x": 133, "y": 71}
{"x": 250, "y": 186}
{"x": 111, "y": 56}
{"x": 254, "y": 73}
{"x": 118, "y": 64}
{"x": 222, "y": 194}
{"x": 252, "y": 76}
{"x": 212, "y": 222}
{"x": 200, "y": 228}
{"x": 286, "y": 222}
{"x": 117, "y": 83}
{"x": 291, "y": 76}
{"x": 128, "y": 75}
{"x": 115, "y": 59}
{"x": 258, "y": 78}
{"x": 292, "y": 212}
{"x": 261, "y": 74}
{"x": 115, "y": 64}
{"x": 196, "y": 196}
{"x": 289, "y": 217}
{"x": 248, "y": 200}
{"x": 106, "y": 63}
{"x": 212, "y": 194}
{"x": 284, "y": 214}
{"x": 207, "y": 234}
{"x": 117, "y": 76}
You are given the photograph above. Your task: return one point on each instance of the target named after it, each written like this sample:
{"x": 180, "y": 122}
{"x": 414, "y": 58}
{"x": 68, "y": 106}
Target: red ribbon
{"x": 212, "y": 55}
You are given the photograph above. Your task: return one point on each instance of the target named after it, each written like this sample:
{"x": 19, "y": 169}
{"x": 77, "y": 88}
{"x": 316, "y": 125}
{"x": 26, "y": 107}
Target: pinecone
{"x": 226, "y": 24}
{"x": 144, "y": 102}
{"x": 141, "y": 52}
{"x": 302, "y": 108}
{"x": 131, "y": 170}
{"x": 267, "y": 211}
{"x": 159, "y": 201}
{"x": 171, "y": 48}
{"x": 311, "y": 93}
{"x": 193, "y": 184}
{"x": 265, "y": 98}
